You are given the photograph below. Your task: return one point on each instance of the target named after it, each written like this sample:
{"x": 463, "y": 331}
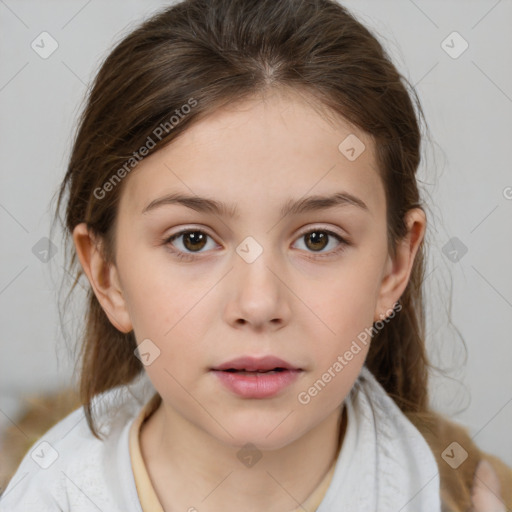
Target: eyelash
{"x": 185, "y": 256}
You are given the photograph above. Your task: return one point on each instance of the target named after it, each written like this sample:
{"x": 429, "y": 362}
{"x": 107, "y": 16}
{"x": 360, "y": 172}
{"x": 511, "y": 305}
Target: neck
{"x": 188, "y": 467}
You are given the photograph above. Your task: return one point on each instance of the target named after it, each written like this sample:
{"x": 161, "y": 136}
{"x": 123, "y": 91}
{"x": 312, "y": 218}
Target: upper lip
{"x": 252, "y": 364}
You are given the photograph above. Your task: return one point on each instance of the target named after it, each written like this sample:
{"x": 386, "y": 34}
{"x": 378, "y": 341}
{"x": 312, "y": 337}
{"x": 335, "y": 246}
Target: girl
{"x": 241, "y": 196}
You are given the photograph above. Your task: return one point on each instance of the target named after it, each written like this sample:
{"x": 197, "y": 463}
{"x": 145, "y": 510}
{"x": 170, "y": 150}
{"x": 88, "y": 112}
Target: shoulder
{"x": 68, "y": 468}
{"x": 40, "y": 480}
{"x": 457, "y": 457}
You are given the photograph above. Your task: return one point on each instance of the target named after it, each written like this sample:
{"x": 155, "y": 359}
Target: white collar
{"x": 385, "y": 463}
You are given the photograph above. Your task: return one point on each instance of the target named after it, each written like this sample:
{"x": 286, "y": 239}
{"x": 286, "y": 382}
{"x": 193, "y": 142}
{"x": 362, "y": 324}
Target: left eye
{"x": 319, "y": 239}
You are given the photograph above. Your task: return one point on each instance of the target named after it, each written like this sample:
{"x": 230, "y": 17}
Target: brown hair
{"x": 213, "y": 52}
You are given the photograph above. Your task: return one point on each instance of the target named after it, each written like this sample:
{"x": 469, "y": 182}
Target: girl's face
{"x": 263, "y": 270}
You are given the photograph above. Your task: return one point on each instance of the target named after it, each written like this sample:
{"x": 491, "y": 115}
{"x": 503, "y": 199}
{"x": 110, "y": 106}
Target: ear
{"x": 398, "y": 270}
{"x": 103, "y": 278}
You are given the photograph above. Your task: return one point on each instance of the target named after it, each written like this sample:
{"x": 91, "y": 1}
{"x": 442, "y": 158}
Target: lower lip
{"x": 257, "y": 385}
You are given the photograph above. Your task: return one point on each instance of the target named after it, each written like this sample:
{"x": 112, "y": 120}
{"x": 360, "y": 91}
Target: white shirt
{"x": 384, "y": 464}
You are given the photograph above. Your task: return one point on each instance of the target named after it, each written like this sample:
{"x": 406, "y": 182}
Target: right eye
{"x": 191, "y": 241}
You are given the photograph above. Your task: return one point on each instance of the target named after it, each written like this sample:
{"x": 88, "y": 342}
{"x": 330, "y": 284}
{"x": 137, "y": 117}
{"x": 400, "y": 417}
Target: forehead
{"x": 261, "y": 149}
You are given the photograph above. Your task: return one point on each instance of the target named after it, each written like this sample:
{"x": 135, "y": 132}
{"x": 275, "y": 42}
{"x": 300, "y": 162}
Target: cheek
{"x": 158, "y": 294}
{"x": 345, "y": 303}
{"x": 171, "y": 314}
{"x": 340, "y": 328}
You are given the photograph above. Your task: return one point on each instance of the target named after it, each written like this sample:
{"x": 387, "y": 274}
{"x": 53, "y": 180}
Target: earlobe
{"x": 103, "y": 278}
{"x": 398, "y": 269}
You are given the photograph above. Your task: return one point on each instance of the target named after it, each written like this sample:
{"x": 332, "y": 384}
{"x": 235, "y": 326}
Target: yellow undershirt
{"x": 147, "y": 495}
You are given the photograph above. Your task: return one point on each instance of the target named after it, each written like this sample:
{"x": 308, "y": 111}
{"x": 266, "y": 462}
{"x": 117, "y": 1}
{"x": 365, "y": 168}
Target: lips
{"x": 260, "y": 365}
{"x": 252, "y": 377}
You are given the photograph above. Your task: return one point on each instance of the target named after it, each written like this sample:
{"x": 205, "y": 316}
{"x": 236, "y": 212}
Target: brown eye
{"x": 189, "y": 241}
{"x": 322, "y": 241}
{"x": 194, "y": 240}
{"x": 316, "y": 240}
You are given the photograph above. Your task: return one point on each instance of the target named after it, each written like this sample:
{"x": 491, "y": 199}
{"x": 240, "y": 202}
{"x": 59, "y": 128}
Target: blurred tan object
{"x": 40, "y": 413}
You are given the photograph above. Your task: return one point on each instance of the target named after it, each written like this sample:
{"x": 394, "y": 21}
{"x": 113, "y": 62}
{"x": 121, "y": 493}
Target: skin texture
{"x": 298, "y": 301}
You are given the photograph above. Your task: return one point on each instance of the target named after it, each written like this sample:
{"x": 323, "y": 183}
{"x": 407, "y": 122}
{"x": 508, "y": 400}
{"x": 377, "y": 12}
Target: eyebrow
{"x": 291, "y": 207}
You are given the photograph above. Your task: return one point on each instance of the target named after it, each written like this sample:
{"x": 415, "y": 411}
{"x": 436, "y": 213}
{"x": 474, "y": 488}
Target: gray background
{"x": 466, "y": 179}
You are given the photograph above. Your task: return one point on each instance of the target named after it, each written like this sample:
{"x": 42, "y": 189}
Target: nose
{"x": 259, "y": 298}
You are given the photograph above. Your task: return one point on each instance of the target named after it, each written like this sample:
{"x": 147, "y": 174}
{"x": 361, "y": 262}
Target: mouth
{"x": 250, "y": 377}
